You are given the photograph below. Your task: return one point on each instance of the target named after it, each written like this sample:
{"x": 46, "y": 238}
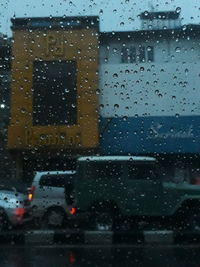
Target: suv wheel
{"x": 54, "y": 218}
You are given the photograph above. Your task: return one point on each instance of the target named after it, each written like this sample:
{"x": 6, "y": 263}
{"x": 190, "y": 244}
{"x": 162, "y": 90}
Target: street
{"x": 123, "y": 255}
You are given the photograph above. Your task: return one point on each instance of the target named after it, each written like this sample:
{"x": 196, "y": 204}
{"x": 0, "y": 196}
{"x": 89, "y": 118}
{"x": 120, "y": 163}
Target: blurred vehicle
{"x": 14, "y": 207}
{"x": 114, "y": 188}
{"x": 51, "y": 197}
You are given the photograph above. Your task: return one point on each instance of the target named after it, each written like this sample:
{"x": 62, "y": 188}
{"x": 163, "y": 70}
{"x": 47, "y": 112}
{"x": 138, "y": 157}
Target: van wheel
{"x": 54, "y": 218}
{"x": 3, "y": 220}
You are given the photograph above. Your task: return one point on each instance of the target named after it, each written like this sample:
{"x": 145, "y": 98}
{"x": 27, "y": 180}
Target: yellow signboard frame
{"x": 80, "y": 45}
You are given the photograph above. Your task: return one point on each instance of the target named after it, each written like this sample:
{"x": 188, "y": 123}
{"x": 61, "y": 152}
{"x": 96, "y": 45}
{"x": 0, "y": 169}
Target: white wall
{"x": 166, "y": 87}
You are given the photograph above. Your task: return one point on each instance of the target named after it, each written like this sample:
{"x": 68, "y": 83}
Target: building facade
{"x": 149, "y": 101}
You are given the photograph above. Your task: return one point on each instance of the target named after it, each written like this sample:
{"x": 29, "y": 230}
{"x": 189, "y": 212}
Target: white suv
{"x": 51, "y": 197}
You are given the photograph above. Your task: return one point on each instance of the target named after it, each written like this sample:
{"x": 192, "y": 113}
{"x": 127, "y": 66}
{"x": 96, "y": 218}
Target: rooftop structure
{"x": 160, "y": 20}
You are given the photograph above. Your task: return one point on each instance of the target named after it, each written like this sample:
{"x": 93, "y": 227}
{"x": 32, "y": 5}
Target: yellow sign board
{"x": 51, "y": 45}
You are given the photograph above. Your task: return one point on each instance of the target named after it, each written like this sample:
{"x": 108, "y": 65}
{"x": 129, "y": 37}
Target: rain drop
{"x": 116, "y": 106}
{"x": 178, "y": 49}
{"x": 178, "y": 10}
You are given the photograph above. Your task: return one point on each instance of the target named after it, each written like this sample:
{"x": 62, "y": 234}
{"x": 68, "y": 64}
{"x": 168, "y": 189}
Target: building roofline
{"x": 65, "y": 22}
{"x": 186, "y": 30}
{"x": 74, "y": 22}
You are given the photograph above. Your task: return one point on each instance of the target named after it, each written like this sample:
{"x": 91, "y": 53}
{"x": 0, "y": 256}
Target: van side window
{"x": 103, "y": 170}
{"x": 141, "y": 172}
{"x": 53, "y": 180}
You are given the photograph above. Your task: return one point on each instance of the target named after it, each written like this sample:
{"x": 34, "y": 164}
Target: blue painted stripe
{"x": 150, "y": 135}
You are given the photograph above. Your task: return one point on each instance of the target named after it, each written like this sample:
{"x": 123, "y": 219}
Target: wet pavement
{"x": 138, "y": 255}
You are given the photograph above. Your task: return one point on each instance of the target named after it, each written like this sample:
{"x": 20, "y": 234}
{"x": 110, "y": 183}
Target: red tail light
{"x": 72, "y": 258}
{"x": 19, "y": 211}
{"x": 72, "y": 211}
{"x": 30, "y": 193}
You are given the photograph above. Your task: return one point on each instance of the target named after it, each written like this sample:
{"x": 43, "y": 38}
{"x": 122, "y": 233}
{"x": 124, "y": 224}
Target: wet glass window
{"x": 124, "y": 55}
{"x": 104, "y": 170}
{"x": 141, "y": 54}
{"x": 150, "y": 53}
{"x": 55, "y": 180}
{"x": 128, "y": 54}
{"x": 141, "y": 172}
{"x": 54, "y": 93}
{"x": 132, "y": 54}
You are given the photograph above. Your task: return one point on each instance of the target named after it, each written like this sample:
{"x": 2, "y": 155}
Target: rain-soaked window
{"x": 53, "y": 83}
{"x": 99, "y": 133}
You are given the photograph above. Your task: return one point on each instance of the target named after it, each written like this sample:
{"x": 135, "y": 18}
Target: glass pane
{"x": 54, "y": 93}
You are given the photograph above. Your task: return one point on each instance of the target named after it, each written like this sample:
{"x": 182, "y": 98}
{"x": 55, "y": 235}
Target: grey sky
{"x": 117, "y": 15}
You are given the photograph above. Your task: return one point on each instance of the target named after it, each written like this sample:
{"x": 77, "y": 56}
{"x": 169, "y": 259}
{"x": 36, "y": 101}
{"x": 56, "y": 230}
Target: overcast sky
{"x": 117, "y": 15}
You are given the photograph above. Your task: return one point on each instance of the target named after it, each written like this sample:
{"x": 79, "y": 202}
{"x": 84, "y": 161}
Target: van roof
{"x": 117, "y": 158}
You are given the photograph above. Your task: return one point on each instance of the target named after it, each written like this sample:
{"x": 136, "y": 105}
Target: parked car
{"x": 14, "y": 206}
{"x": 112, "y": 188}
{"x": 51, "y": 197}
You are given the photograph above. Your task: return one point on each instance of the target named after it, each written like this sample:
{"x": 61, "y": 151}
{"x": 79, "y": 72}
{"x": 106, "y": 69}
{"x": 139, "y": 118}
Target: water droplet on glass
{"x": 178, "y": 10}
{"x": 184, "y": 27}
{"x": 98, "y": 91}
{"x": 178, "y": 49}
{"x": 116, "y": 106}
{"x": 186, "y": 71}
{"x": 101, "y": 106}
{"x": 42, "y": 136}
{"x": 23, "y": 110}
{"x": 177, "y": 115}
{"x": 141, "y": 69}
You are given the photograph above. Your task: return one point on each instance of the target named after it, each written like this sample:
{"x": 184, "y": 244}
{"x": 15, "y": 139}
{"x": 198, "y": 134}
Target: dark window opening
{"x": 141, "y": 172}
{"x": 54, "y": 93}
{"x": 128, "y": 55}
{"x": 103, "y": 170}
{"x": 124, "y": 55}
{"x": 150, "y": 53}
{"x": 56, "y": 180}
{"x": 132, "y": 54}
{"x": 141, "y": 54}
